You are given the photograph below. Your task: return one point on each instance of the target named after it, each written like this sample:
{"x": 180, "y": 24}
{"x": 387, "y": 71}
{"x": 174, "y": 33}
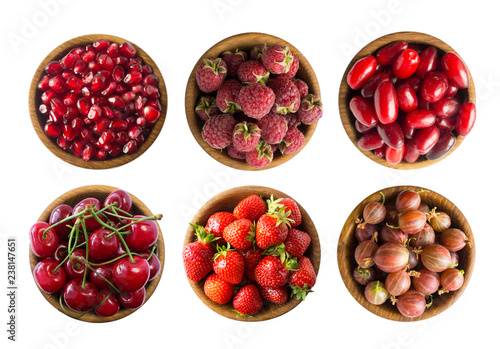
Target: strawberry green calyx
{"x": 247, "y": 130}
{"x": 238, "y": 314}
{"x": 279, "y": 211}
{"x": 202, "y": 234}
{"x": 222, "y": 251}
{"x": 214, "y": 65}
{"x": 300, "y": 292}
{"x": 278, "y": 251}
{"x": 312, "y": 101}
{"x": 273, "y": 205}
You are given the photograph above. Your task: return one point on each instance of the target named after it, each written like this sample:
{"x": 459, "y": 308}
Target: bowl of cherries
{"x": 96, "y": 253}
{"x": 407, "y": 100}
{"x": 406, "y": 253}
{"x": 97, "y": 101}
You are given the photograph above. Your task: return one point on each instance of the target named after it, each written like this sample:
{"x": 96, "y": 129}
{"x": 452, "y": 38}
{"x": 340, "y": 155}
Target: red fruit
{"x": 272, "y": 228}
{"x": 227, "y": 96}
{"x": 434, "y": 87}
{"x": 411, "y": 304}
{"x": 293, "y": 141}
{"x": 240, "y": 233}
{"x": 256, "y": 100}
{"x": 376, "y": 293}
{"x": 388, "y": 234}
{"x": 127, "y": 49}
{"x": 287, "y": 98}
{"x": 133, "y": 300}
{"x": 466, "y": 118}
{"x": 291, "y": 206}
{"x": 302, "y": 86}
{"x": 454, "y": 239}
{"x": 251, "y": 207}
{"x": 248, "y": 300}
{"x": 78, "y": 298}
{"x": 297, "y": 242}
{"x": 216, "y": 224}
{"x": 260, "y": 156}
{"x": 374, "y": 212}
{"x": 436, "y": 258}
{"x": 129, "y": 276}
{"x": 363, "y": 276}
{"x": 386, "y": 103}
{"x": 361, "y": 71}
{"x": 45, "y": 277}
{"x": 43, "y": 242}
{"x": 270, "y": 271}
{"x": 233, "y": 61}
{"x": 218, "y": 130}
{"x": 246, "y": 136}
{"x": 252, "y": 257}
{"x": 253, "y": 72}
{"x": 206, "y": 107}
{"x": 198, "y": 256}
{"x": 277, "y": 59}
{"x": 428, "y": 61}
{"x": 446, "y": 107}
{"x": 273, "y": 128}
{"x": 451, "y": 280}
{"x": 143, "y": 234}
{"x": 58, "y": 214}
{"x": 392, "y": 134}
{"x": 364, "y": 253}
{"x": 411, "y": 222}
{"x": 455, "y": 69}
{"x": 276, "y": 295}
{"x": 420, "y": 118}
{"x": 211, "y": 74}
{"x": 398, "y": 283}
{"x": 426, "y": 139}
{"x": 229, "y": 265}
{"x": 311, "y": 110}
{"x": 108, "y": 306}
{"x": 388, "y": 54}
{"x": 218, "y": 290}
{"x": 102, "y": 245}
{"x": 391, "y": 257}
{"x": 427, "y": 282}
{"x": 302, "y": 278}
{"x": 406, "y": 64}
{"x": 370, "y": 141}
{"x": 443, "y": 146}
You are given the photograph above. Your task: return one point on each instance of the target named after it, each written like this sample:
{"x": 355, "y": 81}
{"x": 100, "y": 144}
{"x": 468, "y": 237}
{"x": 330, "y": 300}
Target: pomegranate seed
{"x": 63, "y": 143}
{"x": 136, "y": 89}
{"x": 155, "y": 103}
{"x": 43, "y": 84}
{"x": 132, "y": 78}
{"x": 83, "y": 105}
{"x": 88, "y": 78}
{"x": 98, "y": 83}
{"x": 43, "y": 109}
{"x": 136, "y": 67}
{"x": 88, "y": 56}
{"x": 77, "y": 147}
{"x": 150, "y": 79}
{"x": 118, "y": 124}
{"x": 98, "y": 100}
{"x": 68, "y": 61}
{"x": 74, "y": 83}
{"x": 69, "y": 133}
{"x": 80, "y": 67}
{"x": 128, "y": 96}
{"x": 120, "y": 60}
{"x": 70, "y": 99}
{"x": 112, "y": 50}
{"x": 66, "y": 74}
{"x": 55, "y": 118}
{"x": 107, "y": 111}
{"x": 53, "y": 68}
{"x": 95, "y": 113}
{"x": 88, "y": 152}
{"x": 122, "y": 138}
{"x": 101, "y": 126}
{"x": 93, "y": 65}
{"x": 141, "y": 121}
{"x": 114, "y": 149}
{"x": 47, "y": 96}
{"x": 86, "y": 134}
{"x": 105, "y": 61}
{"x": 134, "y": 132}
{"x": 57, "y": 84}
{"x": 57, "y": 106}
{"x": 116, "y": 101}
{"x": 151, "y": 114}
{"x": 146, "y": 69}
{"x": 107, "y": 137}
{"x": 110, "y": 89}
{"x": 140, "y": 140}
{"x": 118, "y": 74}
{"x": 101, "y": 45}
{"x": 151, "y": 91}
{"x": 130, "y": 147}
{"x": 71, "y": 111}
{"x": 85, "y": 92}
{"x": 129, "y": 108}
{"x": 52, "y": 130}
{"x": 127, "y": 49}
{"x": 139, "y": 102}
{"x": 77, "y": 123}
{"x": 78, "y": 51}
{"x": 121, "y": 88}
{"x": 101, "y": 154}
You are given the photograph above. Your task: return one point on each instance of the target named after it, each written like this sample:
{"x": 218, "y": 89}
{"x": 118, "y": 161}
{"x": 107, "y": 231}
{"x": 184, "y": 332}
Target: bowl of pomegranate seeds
{"x": 253, "y": 101}
{"x": 406, "y": 253}
{"x": 97, "y": 253}
{"x": 251, "y": 253}
{"x": 407, "y": 100}
{"x": 98, "y": 101}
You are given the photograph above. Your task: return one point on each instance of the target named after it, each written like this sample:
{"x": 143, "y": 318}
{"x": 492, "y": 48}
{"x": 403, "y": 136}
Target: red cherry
{"x": 78, "y": 298}
{"x": 58, "y": 214}
{"x": 110, "y": 307}
{"x": 48, "y": 280}
{"x": 61, "y": 252}
{"x": 133, "y": 300}
{"x": 43, "y": 245}
{"x": 142, "y": 235}
{"x": 120, "y": 198}
{"x": 102, "y": 245}
{"x": 90, "y": 223}
{"x": 106, "y": 271}
{"x": 130, "y": 276}
{"x": 154, "y": 264}
{"x": 72, "y": 267}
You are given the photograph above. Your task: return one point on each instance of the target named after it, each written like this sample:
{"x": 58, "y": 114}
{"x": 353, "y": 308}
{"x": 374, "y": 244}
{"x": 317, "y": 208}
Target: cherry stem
{"x": 138, "y": 220}
{"x": 66, "y": 312}
{"x": 87, "y": 265}
{"x": 86, "y": 252}
{"x": 103, "y": 301}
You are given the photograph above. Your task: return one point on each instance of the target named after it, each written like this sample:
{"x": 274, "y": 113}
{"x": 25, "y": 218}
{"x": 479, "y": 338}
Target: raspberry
{"x": 234, "y": 153}
{"x": 227, "y": 95}
{"x": 287, "y": 97}
{"x": 233, "y": 61}
{"x": 261, "y": 156}
{"x": 256, "y": 100}
{"x": 246, "y": 136}
{"x": 253, "y": 71}
{"x": 257, "y": 51}
{"x": 293, "y": 141}
{"x": 311, "y": 110}
{"x": 218, "y": 131}
{"x": 207, "y": 107}
{"x": 292, "y": 120}
{"x": 277, "y": 59}
{"x": 294, "y": 67}
{"x": 273, "y": 128}
{"x": 302, "y": 86}
{"x": 211, "y": 74}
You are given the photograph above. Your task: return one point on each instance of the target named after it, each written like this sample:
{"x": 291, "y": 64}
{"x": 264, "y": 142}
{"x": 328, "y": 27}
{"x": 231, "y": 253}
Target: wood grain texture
{"x": 38, "y": 120}
{"x": 347, "y": 244}
{"x": 226, "y": 201}
{"x": 99, "y": 192}
{"x": 245, "y": 42}
{"x": 346, "y": 93}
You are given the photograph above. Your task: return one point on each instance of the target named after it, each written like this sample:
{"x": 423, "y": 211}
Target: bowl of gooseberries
{"x": 96, "y": 253}
{"x": 406, "y": 253}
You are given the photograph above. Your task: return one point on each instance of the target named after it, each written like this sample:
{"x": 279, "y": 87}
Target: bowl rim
{"x": 345, "y": 259}
{"x": 347, "y": 118}
{"x": 37, "y": 119}
{"x": 192, "y": 95}
{"x": 313, "y": 252}
{"x": 140, "y": 206}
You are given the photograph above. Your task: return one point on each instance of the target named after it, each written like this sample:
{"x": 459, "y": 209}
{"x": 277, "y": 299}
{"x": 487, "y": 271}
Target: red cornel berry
{"x": 95, "y": 92}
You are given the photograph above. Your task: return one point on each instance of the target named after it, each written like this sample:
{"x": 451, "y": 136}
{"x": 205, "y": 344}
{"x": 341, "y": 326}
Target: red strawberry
{"x": 198, "y": 256}
{"x": 216, "y": 224}
{"x": 211, "y": 74}
{"x": 277, "y": 295}
{"x": 229, "y": 265}
{"x": 303, "y": 278}
{"x": 273, "y": 128}
{"x": 295, "y": 214}
{"x": 261, "y": 156}
{"x": 293, "y": 141}
{"x": 251, "y": 207}
{"x": 277, "y": 59}
{"x": 272, "y": 228}
{"x": 246, "y": 136}
{"x": 253, "y": 72}
{"x": 218, "y": 290}
{"x": 271, "y": 272}
{"x": 218, "y": 130}
{"x": 247, "y": 301}
{"x": 252, "y": 257}
{"x": 240, "y": 234}
{"x": 233, "y": 61}
{"x": 227, "y": 96}
{"x": 207, "y": 107}
{"x": 311, "y": 110}
{"x": 297, "y": 242}
{"x": 256, "y": 100}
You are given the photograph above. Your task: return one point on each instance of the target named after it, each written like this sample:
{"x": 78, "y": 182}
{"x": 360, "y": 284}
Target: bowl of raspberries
{"x": 252, "y": 101}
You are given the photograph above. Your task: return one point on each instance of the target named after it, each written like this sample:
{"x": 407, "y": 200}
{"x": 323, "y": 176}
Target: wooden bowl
{"x": 346, "y": 93}
{"x": 226, "y": 201}
{"x": 347, "y": 244}
{"x": 38, "y": 120}
{"x": 245, "y": 42}
{"x": 99, "y": 192}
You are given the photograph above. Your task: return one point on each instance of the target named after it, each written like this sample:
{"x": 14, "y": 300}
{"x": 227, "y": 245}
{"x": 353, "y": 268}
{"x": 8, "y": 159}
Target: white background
{"x": 175, "y": 177}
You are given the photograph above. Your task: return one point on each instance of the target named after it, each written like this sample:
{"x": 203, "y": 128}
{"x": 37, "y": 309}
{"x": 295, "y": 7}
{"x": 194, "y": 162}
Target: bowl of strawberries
{"x": 252, "y": 101}
{"x": 251, "y": 253}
